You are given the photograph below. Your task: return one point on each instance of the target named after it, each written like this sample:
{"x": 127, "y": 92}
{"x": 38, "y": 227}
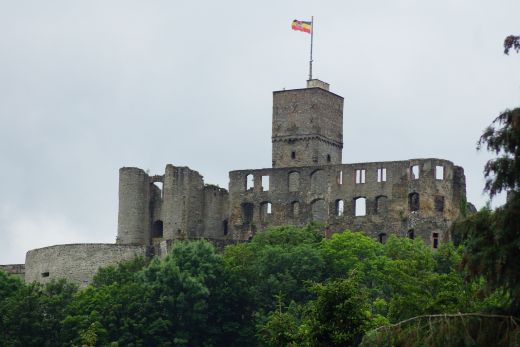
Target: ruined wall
{"x": 77, "y": 263}
{"x": 182, "y": 203}
{"x": 183, "y": 208}
{"x": 17, "y": 270}
{"x": 330, "y": 193}
{"x": 307, "y": 128}
{"x": 215, "y": 213}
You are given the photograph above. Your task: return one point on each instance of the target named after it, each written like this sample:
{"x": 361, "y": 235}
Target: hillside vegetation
{"x": 287, "y": 287}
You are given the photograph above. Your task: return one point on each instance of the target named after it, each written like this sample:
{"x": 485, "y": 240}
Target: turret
{"x": 133, "y": 225}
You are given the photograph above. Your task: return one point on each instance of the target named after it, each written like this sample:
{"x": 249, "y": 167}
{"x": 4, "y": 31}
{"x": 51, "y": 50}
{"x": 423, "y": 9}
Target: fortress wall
{"x": 17, "y": 270}
{"x": 182, "y": 203}
{"x": 77, "y": 263}
{"x": 134, "y": 213}
{"x": 215, "y": 213}
{"x": 317, "y": 189}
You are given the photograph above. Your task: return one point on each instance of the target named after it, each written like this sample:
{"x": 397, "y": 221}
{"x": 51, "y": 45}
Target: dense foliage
{"x": 287, "y": 287}
{"x": 492, "y": 238}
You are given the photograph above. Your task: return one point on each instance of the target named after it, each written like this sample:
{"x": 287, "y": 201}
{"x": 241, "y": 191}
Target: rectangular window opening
{"x": 360, "y": 176}
{"x": 265, "y": 183}
{"x": 414, "y": 171}
{"x": 250, "y": 182}
{"x": 439, "y": 172}
{"x": 293, "y": 155}
{"x": 340, "y": 177}
{"x": 381, "y": 175}
{"x": 45, "y": 274}
{"x": 435, "y": 240}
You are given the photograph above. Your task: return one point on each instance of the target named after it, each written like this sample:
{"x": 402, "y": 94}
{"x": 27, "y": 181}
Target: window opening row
{"x": 360, "y": 177}
{"x": 415, "y": 172}
{"x": 250, "y": 182}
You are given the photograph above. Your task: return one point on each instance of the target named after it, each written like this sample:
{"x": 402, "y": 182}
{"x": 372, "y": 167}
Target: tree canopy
{"x": 288, "y": 286}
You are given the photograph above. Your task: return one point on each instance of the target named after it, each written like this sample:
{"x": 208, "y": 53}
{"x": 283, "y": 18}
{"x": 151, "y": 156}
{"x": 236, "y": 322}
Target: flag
{"x": 301, "y": 26}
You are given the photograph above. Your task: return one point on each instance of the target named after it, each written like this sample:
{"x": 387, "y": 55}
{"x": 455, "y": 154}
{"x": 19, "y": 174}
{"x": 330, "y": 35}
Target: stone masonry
{"x": 416, "y": 198}
{"x": 307, "y": 182}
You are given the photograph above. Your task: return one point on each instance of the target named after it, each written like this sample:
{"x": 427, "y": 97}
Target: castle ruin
{"x": 416, "y": 198}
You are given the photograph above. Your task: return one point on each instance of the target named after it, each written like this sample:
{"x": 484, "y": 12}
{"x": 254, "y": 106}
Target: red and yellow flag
{"x": 301, "y": 26}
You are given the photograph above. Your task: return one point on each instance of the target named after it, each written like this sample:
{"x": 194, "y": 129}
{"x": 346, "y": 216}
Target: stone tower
{"x": 307, "y": 126}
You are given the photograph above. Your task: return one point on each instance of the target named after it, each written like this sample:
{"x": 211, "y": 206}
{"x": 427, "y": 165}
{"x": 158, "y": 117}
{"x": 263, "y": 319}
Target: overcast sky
{"x": 87, "y": 87}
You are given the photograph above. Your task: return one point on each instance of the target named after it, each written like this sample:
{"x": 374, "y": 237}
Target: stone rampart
{"x": 77, "y": 263}
{"x": 17, "y": 270}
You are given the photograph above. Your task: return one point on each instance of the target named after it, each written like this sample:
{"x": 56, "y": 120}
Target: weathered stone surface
{"x": 320, "y": 190}
{"x": 410, "y": 198}
{"x": 307, "y": 127}
{"x": 76, "y": 262}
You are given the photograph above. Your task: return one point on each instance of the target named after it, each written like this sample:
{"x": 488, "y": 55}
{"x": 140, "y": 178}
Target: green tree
{"x": 492, "y": 238}
{"x": 30, "y": 314}
{"x": 278, "y": 261}
{"x": 340, "y": 315}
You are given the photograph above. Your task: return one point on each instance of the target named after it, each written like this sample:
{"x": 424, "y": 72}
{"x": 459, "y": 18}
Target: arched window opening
{"x": 294, "y": 181}
{"x": 250, "y": 182}
{"x": 411, "y": 234}
{"x": 295, "y": 208}
{"x": 225, "y": 226}
{"x": 381, "y": 204}
{"x": 340, "y": 207}
{"x": 328, "y": 158}
{"x": 319, "y": 210}
{"x": 439, "y": 203}
{"x": 318, "y": 181}
{"x": 360, "y": 207}
{"x": 247, "y": 212}
{"x": 382, "y": 238}
{"x": 413, "y": 202}
{"x": 157, "y": 229}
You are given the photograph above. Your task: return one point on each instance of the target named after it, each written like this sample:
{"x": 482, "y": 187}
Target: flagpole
{"x": 312, "y": 34}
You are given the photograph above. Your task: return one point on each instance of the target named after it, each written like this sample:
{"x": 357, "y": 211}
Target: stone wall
{"x": 17, "y": 270}
{"x": 215, "y": 212}
{"x": 182, "y": 202}
{"x": 78, "y": 263}
{"x": 396, "y": 202}
{"x": 182, "y": 208}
